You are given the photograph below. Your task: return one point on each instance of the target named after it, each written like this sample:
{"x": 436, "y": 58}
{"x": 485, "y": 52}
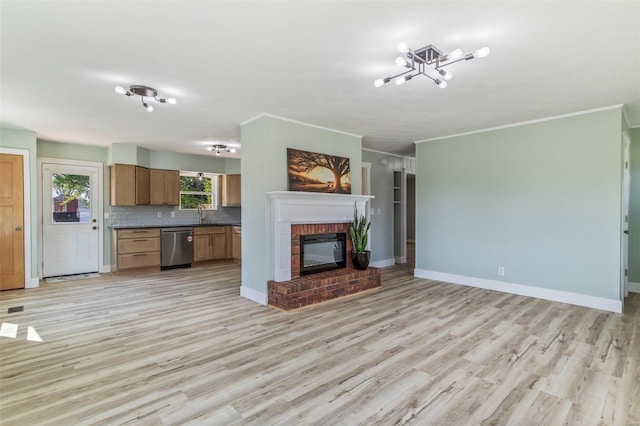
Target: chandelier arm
{"x": 447, "y": 63}
{"x": 427, "y": 75}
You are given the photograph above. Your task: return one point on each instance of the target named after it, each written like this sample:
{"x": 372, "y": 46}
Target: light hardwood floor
{"x": 181, "y": 347}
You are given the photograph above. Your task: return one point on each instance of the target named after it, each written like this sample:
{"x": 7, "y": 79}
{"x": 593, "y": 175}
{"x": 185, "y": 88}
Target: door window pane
{"x": 70, "y": 198}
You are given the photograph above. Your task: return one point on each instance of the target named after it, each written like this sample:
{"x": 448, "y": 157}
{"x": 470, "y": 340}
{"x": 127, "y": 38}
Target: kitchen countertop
{"x": 175, "y": 225}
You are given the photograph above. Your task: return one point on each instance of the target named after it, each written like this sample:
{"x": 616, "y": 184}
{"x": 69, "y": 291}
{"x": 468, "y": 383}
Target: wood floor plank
{"x": 182, "y": 347}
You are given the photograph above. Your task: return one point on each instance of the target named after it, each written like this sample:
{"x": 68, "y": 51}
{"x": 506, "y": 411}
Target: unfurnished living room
{"x": 320, "y": 212}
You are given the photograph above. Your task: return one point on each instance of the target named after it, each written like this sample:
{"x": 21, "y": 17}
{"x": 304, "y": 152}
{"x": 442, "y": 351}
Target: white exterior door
{"x": 70, "y": 234}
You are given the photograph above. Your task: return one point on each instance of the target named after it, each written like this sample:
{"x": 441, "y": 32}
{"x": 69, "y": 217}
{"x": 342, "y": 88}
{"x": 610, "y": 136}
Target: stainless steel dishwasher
{"x": 177, "y": 248}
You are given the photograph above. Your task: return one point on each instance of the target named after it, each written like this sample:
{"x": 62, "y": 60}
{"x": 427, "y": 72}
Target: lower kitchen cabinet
{"x": 209, "y": 243}
{"x": 136, "y": 248}
{"x": 237, "y": 242}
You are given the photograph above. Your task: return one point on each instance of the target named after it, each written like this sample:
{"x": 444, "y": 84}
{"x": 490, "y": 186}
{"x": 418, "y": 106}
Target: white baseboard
{"x": 383, "y": 263}
{"x": 524, "y": 290}
{"x": 254, "y": 295}
{"x": 105, "y": 269}
{"x": 634, "y": 287}
{"x": 32, "y": 283}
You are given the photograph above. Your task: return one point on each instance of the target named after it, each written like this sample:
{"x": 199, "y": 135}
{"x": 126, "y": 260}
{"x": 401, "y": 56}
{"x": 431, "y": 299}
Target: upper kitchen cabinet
{"x": 125, "y": 177}
{"x": 164, "y": 187}
{"x": 230, "y": 190}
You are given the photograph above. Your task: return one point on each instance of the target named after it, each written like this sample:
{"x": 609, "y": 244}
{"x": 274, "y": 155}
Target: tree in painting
{"x": 302, "y": 165}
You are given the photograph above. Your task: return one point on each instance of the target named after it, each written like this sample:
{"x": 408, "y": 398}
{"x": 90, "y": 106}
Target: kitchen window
{"x": 198, "y": 189}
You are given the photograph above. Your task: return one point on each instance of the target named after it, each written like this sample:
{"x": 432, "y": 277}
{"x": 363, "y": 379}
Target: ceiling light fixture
{"x": 428, "y": 60}
{"x": 218, "y": 148}
{"x": 200, "y": 176}
{"x": 144, "y": 92}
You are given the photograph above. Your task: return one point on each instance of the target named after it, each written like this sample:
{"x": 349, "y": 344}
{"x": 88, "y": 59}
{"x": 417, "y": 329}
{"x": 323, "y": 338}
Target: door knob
{"x": 18, "y": 228}
{"x": 626, "y": 231}
{"x": 94, "y": 227}
{"x": 93, "y": 220}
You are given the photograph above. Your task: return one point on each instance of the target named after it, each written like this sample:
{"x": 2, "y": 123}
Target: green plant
{"x": 359, "y": 231}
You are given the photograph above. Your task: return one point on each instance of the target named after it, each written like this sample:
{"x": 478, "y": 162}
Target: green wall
{"x": 264, "y": 168}
{"x": 634, "y": 208}
{"x": 24, "y": 139}
{"x": 542, "y": 200}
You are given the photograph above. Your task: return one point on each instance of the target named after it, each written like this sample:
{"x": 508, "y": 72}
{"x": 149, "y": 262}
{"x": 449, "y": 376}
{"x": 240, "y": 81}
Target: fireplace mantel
{"x": 292, "y": 207}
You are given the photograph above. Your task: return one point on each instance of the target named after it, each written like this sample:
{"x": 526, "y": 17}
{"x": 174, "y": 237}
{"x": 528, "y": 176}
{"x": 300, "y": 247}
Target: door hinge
{"x": 626, "y": 164}
{"x": 626, "y": 219}
{"x": 626, "y": 272}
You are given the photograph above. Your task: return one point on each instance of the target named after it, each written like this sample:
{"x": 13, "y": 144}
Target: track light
{"x": 427, "y": 60}
{"x": 144, "y": 92}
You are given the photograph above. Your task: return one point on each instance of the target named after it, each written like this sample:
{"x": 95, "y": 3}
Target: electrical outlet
{"x": 159, "y": 214}
{"x": 173, "y": 214}
{"x": 501, "y": 270}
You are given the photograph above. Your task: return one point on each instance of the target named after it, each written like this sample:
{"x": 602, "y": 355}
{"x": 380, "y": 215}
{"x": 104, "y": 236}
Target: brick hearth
{"x": 321, "y": 287}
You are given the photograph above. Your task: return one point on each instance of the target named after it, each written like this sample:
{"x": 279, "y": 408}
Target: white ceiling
{"x": 315, "y": 62}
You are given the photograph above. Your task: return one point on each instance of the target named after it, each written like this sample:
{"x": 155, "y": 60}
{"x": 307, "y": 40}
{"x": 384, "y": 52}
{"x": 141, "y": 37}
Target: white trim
{"x": 26, "y": 212}
{"x": 254, "y": 295}
{"x": 388, "y": 153}
{"x": 62, "y": 161}
{"x": 383, "y": 263}
{"x": 634, "y": 287}
{"x": 401, "y": 259}
{"x": 365, "y": 164}
{"x": 265, "y": 114}
{"x": 522, "y": 123}
{"x": 625, "y": 118}
{"x": 611, "y": 305}
{"x": 105, "y": 269}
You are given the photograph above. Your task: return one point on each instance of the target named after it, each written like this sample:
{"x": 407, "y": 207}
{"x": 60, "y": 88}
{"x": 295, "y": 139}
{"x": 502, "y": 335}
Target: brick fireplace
{"x": 301, "y": 213}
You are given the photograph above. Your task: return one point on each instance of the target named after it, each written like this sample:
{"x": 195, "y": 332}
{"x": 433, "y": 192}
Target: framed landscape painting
{"x": 314, "y": 172}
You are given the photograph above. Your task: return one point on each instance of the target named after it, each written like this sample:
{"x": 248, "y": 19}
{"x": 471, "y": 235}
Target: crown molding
{"x": 523, "y": 123}
{"x": 266, "y": 114}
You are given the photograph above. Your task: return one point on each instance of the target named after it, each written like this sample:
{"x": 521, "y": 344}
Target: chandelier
{"x": 218, "y": 148}
{"x": 144, "y": 92}
{"x": 428, "y": 61}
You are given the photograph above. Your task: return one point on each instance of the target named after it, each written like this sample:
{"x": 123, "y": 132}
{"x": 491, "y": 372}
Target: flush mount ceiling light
{"x": 428, "y": 61}
{"x": 144, "y": 92}
{"x": 218, "y": 148}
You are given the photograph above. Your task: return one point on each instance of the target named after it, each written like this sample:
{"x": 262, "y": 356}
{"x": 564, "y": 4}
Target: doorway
{"x": 626, "y": 192}
{"x": 71, "y": 226}
{"x": 13, "y": 220}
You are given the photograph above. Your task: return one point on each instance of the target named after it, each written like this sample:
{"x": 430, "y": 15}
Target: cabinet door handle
{"x": 141, "y": 254}
{"x": 139, "y": 241}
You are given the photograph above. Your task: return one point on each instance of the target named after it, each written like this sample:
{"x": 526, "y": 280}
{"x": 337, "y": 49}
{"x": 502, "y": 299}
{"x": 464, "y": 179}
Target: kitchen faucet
{"x": 200, "y": 214}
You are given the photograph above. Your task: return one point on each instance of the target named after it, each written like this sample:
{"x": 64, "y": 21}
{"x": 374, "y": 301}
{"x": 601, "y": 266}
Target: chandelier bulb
{"x": 481, "y": 53}
{"x": 400, "y": 80}
{"x": 147, "y": 106}
{"x": 379, "y": 82}
{"x": 441, "y": 83}
{"x": 402, "y": 47}
{"x": 232, "y": 150}
{"x": 445, "y": 74}
{"x": 455, "y": 54}
{"x": 120, "y": 90}
{"x": 401, "y": 62}
{"x": 172, "y": 101}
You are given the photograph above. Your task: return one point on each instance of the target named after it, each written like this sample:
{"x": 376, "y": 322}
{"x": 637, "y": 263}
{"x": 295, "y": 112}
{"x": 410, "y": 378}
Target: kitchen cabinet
{"x": 237, "y": 242}
{"x": 209, "y": 243}
{"x": 164, "y": 187}
{"x": 129, "y": 185}
{"x": 136, "y": 248}
{"x": 230, "y": 190}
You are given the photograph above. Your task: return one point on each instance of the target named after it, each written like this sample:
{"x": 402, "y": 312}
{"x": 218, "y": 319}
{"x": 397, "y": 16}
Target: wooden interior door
{"x": 11, "y": 222}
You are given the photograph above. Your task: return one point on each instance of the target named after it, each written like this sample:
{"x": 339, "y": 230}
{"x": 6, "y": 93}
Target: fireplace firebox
{"x": 322, "y": 252}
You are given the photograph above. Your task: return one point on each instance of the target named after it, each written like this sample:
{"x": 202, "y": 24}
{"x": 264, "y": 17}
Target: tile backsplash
{"x": 148, "y": 215}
